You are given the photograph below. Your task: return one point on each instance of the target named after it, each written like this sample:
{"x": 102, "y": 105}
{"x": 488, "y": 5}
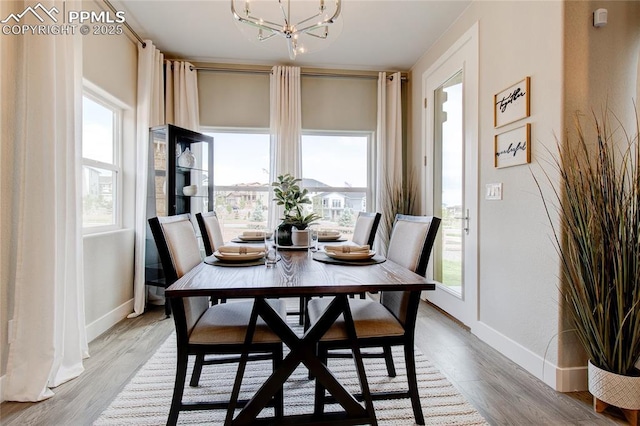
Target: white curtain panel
{"x": 182, "y": 95}
{"x": 388, "y": 150}
{"x": 149, "y": 112}
{"x": 286, "y": 130}
{"x": 48, "y": 311}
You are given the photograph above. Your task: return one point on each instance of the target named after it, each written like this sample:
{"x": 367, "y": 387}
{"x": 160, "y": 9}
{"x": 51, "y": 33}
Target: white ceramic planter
{"x": 614, "y": 389}
{"x": 300, "y": 238}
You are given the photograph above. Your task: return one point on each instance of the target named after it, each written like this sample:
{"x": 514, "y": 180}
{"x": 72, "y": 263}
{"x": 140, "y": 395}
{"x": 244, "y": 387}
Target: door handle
{"x": 466, "y": 221}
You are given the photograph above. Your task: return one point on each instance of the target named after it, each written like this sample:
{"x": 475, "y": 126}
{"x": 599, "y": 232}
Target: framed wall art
{"x": 513, "y": 147}
{"x": 512, "y": 104}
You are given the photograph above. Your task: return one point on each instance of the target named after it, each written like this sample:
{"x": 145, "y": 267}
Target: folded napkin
{"x": 348, "y": 249}
{"x": 239, "y": 249}
{"x": 328, "y": 234}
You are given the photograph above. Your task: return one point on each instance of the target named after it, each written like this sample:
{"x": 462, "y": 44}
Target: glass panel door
{"x": 449, "y": 183}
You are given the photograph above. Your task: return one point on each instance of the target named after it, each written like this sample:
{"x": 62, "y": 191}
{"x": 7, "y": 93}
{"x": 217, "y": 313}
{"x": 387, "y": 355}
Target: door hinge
{"x": 425, "y": 103}
{"x": 425, "y": 160}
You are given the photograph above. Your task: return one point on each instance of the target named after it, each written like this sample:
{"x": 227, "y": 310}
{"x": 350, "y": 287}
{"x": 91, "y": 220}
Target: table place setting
{"x": 348, "y": 255}
{"x": 330, "y": 236}
{"x": 252, "y": 237}
{"x": 237, "y": 256}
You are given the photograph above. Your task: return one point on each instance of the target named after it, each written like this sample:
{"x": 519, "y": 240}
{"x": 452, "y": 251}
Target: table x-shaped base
{"x": 303, "y": 350}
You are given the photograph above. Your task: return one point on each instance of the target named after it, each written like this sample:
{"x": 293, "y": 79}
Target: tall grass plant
{"x": 597, "y": 197}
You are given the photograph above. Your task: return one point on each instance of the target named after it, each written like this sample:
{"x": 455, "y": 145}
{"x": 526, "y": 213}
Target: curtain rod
{"x": 135, "y": 34}
{"x": 302, "y": 73}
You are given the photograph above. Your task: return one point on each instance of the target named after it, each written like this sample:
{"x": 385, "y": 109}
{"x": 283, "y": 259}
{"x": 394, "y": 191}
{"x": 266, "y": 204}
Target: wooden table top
{"x": 296, "y": 274}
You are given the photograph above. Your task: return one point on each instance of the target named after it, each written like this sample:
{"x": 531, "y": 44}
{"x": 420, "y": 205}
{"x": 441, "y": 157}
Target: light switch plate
{"x": 493, "y": 191}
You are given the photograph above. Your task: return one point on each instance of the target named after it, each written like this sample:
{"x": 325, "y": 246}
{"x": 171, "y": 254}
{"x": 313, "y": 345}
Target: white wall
{"x": 600, "y": 71}
{"x": 517, "y": 294}
{"x": 110, "y": 63}
{"x": 573, "y": 66}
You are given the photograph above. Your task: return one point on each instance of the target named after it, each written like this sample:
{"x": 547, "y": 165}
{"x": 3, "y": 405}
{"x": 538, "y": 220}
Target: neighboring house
{"x": 333, "y": 204}
{"x": 96, "y": 184}
{"x": 246, "y": 198}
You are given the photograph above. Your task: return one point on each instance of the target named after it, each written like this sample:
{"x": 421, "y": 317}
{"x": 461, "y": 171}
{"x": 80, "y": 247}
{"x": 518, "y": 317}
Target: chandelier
{"x": 315, "y": 26}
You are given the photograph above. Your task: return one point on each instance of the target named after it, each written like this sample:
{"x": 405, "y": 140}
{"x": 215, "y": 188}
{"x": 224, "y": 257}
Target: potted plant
{"x": 287, "y": 193}
{"x": 598, "y": 201}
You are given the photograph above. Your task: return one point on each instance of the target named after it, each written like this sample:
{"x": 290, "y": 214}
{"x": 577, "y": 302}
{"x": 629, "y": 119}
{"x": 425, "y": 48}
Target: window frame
{"x": 210, "y": 130}
{"x": 371, "y": 164}
{"x": 109, "y": 102}
{"x": 369, "y": 190}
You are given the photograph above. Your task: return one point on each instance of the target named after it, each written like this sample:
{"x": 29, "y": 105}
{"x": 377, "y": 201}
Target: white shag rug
{"x": 146, "y": 399}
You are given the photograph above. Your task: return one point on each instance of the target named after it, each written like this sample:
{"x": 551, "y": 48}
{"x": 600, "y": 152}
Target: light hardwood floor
{"x": 500, "y": 390}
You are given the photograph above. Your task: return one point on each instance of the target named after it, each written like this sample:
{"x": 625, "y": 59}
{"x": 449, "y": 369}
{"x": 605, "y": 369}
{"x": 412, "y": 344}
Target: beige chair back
{"x": 365, "y": 228}
{"x": 211, "y": 231}
{"x": 410, "y": 245}
{"x": 176, "y": 237}
{"x": 182, "y": 244}
{"x": 214, "y": 231}
{"x": 407, "y": 240}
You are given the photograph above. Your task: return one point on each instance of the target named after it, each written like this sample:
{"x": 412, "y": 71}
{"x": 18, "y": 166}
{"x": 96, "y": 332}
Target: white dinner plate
{"x": 325, "y": 238}
{"x": 253, "y": 238}
{"x": 239, "y": 257}
{"x": 363, "y": 255}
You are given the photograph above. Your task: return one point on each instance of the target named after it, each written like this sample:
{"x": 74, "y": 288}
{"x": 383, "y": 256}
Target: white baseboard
{"x": 561, "y": 379}
{"x": 102, "y": 324}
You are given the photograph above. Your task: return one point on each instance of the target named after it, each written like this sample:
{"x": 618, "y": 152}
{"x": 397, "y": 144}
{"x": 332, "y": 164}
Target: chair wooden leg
{"x": 310, "y": 375}
{"x": 302, "y": 310}
{"x": 410, "y": 362}
{"x": 278, "y": 399}
{"x": 197, "y": 370}
{"x": 318, "y": 401}
{"x": 178, "y": 389}
{"x": 388, "y": 359}
{"x": 167, "y": 308}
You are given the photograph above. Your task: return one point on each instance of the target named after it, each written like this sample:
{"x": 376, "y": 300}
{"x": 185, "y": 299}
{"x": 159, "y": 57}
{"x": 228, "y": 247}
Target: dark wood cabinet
{"x": 180, "y": 181}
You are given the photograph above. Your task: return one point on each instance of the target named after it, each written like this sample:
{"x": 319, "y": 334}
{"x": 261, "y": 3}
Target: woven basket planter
{"x": 615, "y": 390}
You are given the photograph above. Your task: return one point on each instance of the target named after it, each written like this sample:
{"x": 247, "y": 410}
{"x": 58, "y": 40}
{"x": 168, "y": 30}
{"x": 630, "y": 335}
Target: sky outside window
{"x": 97, "y": 131}
{"x": 339, "y": 161}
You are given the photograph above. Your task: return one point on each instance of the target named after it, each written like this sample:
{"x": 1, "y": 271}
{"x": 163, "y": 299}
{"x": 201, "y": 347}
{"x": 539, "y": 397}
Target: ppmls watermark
{"x": 38, "y": 20}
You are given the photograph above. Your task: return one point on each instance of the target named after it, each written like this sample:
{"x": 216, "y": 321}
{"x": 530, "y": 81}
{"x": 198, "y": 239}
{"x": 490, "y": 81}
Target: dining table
{"x": 300, "y": 273}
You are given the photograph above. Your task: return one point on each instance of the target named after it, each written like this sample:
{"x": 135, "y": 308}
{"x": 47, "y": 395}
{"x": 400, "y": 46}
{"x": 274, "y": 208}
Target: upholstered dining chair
{"x": 210, "y": 230}
{"x": 212, "y": 238}
{"x": 364, "y": 231}
{"x": 389, "y": 321}
{"x": 202, "y": 329}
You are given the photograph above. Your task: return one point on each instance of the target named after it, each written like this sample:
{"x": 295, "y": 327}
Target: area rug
{"x": 145, "y": 400}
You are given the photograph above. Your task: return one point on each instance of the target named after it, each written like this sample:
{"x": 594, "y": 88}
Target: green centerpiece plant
{"x": 294, "y": 199}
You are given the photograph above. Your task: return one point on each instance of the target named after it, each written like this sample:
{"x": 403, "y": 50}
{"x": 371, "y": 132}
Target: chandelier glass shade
{"x": 304, "y": 25}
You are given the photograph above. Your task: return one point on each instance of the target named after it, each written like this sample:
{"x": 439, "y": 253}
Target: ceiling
{"x": 375, "y": 35}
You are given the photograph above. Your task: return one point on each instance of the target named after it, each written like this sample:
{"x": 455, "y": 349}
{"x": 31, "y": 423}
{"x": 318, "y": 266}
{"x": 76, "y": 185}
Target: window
{"x": 336, "y": 168}
{"x": 101, "y": 173}
{"x": 241, "y": 180}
